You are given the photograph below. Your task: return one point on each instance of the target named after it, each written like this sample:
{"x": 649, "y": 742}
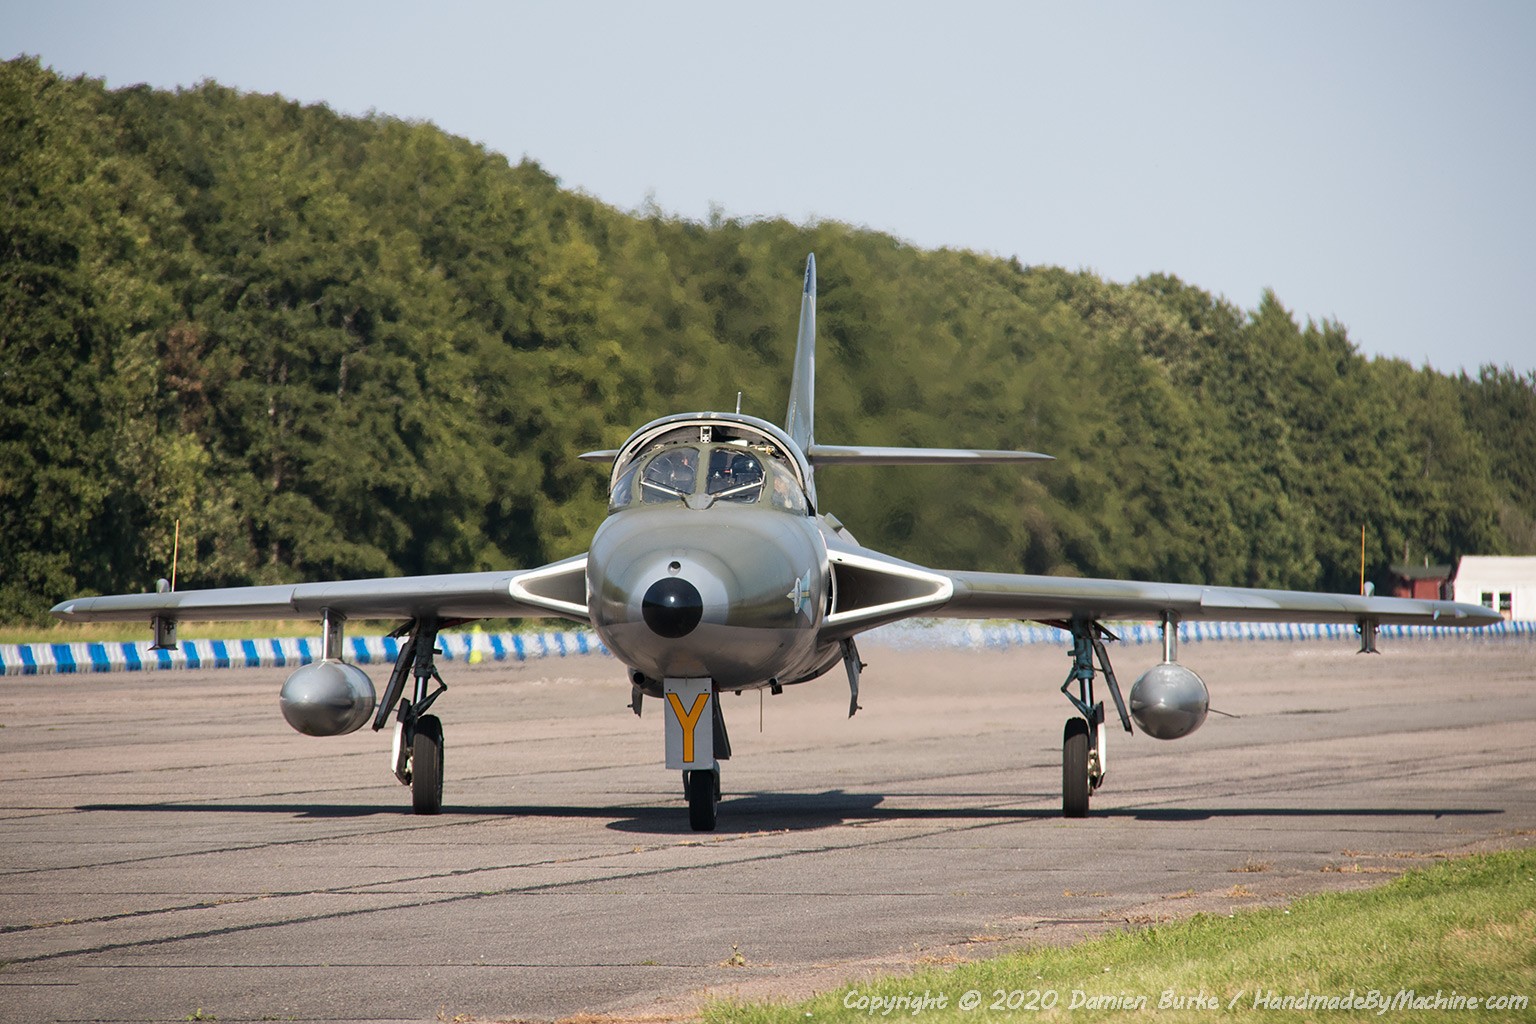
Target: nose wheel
{"x": 702, "y": 787}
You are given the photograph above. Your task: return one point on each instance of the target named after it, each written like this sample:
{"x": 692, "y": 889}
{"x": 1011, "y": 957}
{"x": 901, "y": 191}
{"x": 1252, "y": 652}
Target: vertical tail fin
{"x": 800, "y": 419}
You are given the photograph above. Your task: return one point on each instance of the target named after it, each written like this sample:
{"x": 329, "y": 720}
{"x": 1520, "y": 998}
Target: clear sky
{"x": 1373, "y": 162}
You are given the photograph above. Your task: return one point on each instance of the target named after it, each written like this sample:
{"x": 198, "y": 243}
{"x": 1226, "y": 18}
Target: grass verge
{"x": 1462, "y": 929}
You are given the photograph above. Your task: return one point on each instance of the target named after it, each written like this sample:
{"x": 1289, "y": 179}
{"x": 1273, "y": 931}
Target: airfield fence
{"x": 477, "y": 647}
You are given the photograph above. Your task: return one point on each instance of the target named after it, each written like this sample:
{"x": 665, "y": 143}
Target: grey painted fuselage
{"x": 711, "y": 563}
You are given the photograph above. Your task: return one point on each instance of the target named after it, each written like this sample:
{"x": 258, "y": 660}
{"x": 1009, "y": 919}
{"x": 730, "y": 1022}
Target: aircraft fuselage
{"x": 711, "y": 563}
{"x": 733, "y": 593}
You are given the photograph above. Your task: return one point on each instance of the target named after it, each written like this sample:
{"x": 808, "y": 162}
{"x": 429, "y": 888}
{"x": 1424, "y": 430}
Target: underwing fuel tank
{"x": 328, "y": 698}
{"x": 1169, "y": 701}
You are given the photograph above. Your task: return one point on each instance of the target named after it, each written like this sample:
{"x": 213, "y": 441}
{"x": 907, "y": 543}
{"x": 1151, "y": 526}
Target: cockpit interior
{"x": 699, "y": 475}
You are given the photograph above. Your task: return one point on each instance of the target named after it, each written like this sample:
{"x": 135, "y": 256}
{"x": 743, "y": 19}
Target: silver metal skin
{"x": 1169, "y": 701}
{"x": 331, "y": 624}
{"x": 328, "y": 698}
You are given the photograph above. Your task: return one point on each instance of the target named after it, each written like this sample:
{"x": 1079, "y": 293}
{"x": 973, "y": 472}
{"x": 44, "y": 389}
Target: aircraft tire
{"x": 703, "y": 796}
{"x": 1074, "y": 769}
{"x": 427, "y": 766}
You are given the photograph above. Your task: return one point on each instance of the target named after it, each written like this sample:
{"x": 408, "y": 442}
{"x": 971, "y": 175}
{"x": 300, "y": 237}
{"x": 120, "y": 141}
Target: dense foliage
{"x": 350, "y": 346}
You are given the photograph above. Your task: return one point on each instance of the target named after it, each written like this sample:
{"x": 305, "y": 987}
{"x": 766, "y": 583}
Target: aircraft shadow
{"x": 1208, "y": 813}
{"x": 295, "y": 810}
{"x": 773, "y": 812}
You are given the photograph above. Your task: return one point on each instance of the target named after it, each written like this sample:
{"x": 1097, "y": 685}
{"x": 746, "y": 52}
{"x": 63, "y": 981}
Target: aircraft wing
{"x": 984, "y": 595}
{"x": 557, "y": 589}
{"x": 873, "y": 588}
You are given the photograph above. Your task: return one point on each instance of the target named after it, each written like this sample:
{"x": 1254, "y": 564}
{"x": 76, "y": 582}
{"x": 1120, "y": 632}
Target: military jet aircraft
{"x": 717, "y": 569}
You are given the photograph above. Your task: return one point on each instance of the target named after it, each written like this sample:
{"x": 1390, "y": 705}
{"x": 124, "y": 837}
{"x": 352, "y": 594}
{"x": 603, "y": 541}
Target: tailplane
{"x": 799, "y": 421}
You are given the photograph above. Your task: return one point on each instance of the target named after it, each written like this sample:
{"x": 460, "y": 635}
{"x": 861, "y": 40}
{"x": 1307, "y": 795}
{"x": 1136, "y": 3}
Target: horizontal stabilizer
{"x": 860, "y": 455}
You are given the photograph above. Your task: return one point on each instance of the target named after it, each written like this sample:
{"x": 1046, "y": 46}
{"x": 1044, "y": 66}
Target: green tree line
{"x": 335, "y": 346}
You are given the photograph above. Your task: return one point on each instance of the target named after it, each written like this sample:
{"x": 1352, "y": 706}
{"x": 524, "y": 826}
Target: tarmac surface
{"x": 170, "y": 849}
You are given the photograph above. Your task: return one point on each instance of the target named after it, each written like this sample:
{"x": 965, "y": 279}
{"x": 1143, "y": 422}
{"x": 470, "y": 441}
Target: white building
{"x": 1505, "y": 583}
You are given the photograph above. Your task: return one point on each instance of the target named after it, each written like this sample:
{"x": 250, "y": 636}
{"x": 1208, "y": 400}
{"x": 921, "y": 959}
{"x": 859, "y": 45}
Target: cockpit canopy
{"x": 701, "y": 474}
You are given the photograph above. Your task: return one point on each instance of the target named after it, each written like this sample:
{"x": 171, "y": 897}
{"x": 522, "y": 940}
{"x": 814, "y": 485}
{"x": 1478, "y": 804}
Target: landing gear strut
{"x": 418, "y": 749}
{"x": 1084, "y": 757}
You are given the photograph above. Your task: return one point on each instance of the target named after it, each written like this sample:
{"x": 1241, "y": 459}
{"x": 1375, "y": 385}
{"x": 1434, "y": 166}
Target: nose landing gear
{"x": 702, "y": 787}
{"x": 696, "y": 747}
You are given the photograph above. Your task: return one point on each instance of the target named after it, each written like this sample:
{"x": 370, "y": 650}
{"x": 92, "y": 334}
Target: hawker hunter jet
{"x": 717, "y": 569}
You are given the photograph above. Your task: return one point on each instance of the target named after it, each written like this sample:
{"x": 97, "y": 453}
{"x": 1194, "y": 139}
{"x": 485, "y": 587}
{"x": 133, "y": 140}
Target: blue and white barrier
{"x": 950, "y": 633}
{"x": 135, "y": 656}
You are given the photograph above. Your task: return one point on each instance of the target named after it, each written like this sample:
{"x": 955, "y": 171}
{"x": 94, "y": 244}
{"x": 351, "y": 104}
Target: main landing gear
{"x": 417, "y": 754}
{"x": 1083, "y": 749}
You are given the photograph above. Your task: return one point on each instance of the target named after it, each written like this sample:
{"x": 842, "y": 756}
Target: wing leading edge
{"x": 557, "y": 589}
{"x": 983, "y": 595}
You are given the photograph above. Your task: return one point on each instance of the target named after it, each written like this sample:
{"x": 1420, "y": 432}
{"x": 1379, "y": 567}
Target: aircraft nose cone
{"x": 672, "y": 607}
